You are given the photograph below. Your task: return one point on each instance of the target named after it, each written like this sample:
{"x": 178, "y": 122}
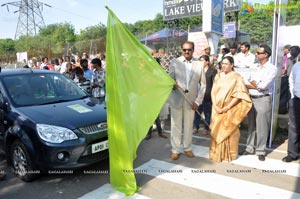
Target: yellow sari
{"x": 225, "y": 133}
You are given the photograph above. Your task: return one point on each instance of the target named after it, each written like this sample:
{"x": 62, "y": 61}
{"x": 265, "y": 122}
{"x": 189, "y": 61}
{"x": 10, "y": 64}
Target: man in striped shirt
{"x": 83, "y": 82}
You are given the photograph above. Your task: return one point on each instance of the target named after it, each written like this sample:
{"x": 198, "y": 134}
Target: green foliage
{"x": 142, "y": 28}
{"x": 59, "y": 33}
{"x": 33, "y": 45}
{"x": 92, "y": 32}
{"x": 259, "y": 24}
{"x": 293, "y": 17}
{"x": 159, "y": 22}
{"x": 190, "y": 23}
{"x": 55, "y": 39}
{"x": 7, "y": 45}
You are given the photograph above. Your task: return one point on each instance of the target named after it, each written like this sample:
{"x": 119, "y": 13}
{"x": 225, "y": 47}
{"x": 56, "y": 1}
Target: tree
{"x": 59, "y": 33}
{"x": 55, "y": 36}
{"x": 35, "y": 46}
{"x": 259, "y": 24}
{"x": 292, "y": 15}
{"x": 142, "y": 28}
{"x": 6, "y": 47}
{"x": 92, "y": 32}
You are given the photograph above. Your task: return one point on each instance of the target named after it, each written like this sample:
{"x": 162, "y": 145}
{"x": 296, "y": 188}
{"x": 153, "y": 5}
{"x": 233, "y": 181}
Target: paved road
{"x": 246, "y": 177}
{"x": 198, "y": 177}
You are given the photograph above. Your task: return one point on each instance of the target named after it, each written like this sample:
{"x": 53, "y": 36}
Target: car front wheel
{"x": 22, "y": 163}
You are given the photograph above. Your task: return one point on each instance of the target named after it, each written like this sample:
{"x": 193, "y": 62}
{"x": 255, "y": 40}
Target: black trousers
{"x": 294, "y": 135}
{"x": 158, "y": 127}
{"x": 284, "y": 95}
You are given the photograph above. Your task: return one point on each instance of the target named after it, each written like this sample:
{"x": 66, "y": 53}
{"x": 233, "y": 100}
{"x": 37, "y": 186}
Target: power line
{"x": 72, "y": 13}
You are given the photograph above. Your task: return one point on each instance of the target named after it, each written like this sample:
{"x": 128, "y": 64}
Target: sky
{"x": 82, "y": 14}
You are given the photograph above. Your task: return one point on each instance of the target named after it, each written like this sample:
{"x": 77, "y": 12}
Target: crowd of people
{"x": 215, "y": 87}
{"x": 227, "y": 95}
{"x": 89, "y": 74}
{"x": 212, "y": 89}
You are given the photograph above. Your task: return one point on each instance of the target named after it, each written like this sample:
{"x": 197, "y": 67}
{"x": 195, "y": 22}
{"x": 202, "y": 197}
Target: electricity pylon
{"x": 30, "y": 16}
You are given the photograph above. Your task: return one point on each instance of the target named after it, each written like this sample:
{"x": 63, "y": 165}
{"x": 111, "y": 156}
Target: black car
{"x": 47, "y": 122}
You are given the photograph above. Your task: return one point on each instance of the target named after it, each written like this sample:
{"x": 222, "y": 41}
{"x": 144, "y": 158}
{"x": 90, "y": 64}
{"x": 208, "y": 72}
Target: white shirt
{"x": 235, "y": 57}
{"x": 63, "y": 67}
{"x": 294, "y": 80}
{"x": 244, "y": 60}
{"x": 188, "y": 66}
{"x": 264, "y": 76}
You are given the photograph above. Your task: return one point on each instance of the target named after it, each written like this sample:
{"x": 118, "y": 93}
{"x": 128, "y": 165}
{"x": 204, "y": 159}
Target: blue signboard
{"x": 217, "y": 16}
{"x": 229, "y": 30}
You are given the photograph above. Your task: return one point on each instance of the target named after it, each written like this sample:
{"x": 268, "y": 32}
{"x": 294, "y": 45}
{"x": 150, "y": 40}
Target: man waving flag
{"x": 137, "y": 87}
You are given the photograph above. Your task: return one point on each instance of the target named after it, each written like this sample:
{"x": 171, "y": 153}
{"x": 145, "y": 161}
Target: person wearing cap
{"x": 34, "y": 63}
{"x": 207, "y": 51}
{"x": 85, "y": 56}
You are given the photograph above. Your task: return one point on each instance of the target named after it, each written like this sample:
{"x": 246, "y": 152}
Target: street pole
{"x": 279, "y": 16}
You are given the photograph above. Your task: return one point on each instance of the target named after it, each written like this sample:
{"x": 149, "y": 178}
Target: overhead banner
{"x": 174, "y": 9}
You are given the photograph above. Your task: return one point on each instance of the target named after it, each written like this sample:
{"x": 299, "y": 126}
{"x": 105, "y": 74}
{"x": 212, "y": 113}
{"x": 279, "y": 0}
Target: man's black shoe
{"x": 261, "y": 157}
{"x": 148, "y": 137}
{"x": 246, "y": 153}
{"x": 289, "y": 159}
{"x": 162, "y": 135}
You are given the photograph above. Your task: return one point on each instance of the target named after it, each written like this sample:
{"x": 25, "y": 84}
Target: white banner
{"x": 22, "y": 57}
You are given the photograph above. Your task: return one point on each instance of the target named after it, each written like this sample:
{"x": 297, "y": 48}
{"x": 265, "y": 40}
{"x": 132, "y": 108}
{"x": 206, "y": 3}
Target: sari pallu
{"x": 225, "y": 133}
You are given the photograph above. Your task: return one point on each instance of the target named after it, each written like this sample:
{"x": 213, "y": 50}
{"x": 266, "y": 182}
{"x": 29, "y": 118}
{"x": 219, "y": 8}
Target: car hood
{"x": 72, "y": 114}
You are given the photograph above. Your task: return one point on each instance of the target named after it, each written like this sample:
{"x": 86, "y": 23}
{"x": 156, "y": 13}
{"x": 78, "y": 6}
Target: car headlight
{"x": 55, "y": 134}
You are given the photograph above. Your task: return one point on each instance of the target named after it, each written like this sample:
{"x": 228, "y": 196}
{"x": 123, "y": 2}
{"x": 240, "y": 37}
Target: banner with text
{"x": 174, "y": 9}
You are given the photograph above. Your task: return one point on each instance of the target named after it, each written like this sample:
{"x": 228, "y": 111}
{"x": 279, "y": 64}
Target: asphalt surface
{"x": 93, "y": 181}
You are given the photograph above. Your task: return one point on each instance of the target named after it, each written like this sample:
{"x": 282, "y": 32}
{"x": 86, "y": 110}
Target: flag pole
{"x": 191, "y": 103}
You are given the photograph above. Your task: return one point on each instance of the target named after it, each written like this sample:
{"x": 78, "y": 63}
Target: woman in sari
{"x": 231, "y": 103}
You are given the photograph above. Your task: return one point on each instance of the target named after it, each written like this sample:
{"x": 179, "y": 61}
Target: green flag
{"x": 137, "y": 87}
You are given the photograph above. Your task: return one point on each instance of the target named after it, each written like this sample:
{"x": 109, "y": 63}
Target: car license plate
{"x": 99, "y": 146}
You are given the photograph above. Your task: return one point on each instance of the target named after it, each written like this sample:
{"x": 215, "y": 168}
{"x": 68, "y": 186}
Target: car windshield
{"x": 38, "y": 89}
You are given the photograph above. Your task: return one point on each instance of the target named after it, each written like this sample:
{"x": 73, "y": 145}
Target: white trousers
{"x": 182, "y": 127}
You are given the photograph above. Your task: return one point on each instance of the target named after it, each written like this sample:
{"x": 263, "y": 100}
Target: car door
{"x": 2, "y": 113}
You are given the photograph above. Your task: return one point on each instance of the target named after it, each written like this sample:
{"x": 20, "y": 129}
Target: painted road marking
{"x": 213, "y": 183}
{"x": 251, "y": 161}
{"x": 108, "y": 192}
